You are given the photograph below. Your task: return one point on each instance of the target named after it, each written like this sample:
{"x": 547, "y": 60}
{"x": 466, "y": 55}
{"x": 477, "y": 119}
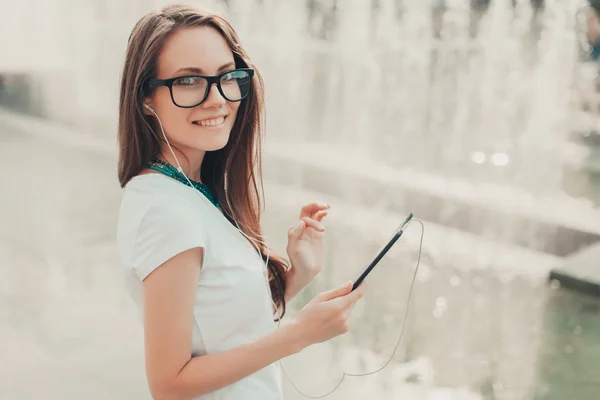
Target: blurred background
{"x": 479, "y": 116}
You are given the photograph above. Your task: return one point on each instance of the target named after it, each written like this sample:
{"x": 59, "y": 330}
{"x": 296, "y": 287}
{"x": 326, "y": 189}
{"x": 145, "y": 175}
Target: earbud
{"x": 146, "y": 106}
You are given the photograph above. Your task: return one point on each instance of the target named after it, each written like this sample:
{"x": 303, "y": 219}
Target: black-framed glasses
{"x": 191, "y": 90}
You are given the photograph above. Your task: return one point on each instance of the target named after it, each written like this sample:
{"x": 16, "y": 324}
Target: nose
{"x": 214, "y": 99}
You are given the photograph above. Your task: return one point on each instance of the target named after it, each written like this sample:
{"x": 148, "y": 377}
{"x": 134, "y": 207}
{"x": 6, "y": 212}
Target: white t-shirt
{"x": 161, "y": 217}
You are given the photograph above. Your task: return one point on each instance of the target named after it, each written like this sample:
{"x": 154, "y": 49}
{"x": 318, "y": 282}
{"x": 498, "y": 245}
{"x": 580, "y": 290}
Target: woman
{"x": 189, "y": 223}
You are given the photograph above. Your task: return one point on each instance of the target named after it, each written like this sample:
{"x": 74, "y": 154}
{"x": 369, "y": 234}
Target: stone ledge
{"x": 580, "y": 272}
{"x": 541, "y": 230}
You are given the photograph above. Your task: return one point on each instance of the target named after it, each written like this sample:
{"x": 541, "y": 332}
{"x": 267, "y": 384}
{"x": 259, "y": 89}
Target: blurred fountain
{"x": 458, "y": 113}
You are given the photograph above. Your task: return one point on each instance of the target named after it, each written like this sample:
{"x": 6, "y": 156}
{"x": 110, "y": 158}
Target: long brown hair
{"x": 233, "y": 172}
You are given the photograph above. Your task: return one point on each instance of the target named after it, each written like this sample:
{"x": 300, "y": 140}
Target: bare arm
{"x": 172, "y": 373}
{"x": 169, "y": 293}
{"x": 301, "y": 272}
{"x": 213, "y": 371}
{"x": 295, "y": 282}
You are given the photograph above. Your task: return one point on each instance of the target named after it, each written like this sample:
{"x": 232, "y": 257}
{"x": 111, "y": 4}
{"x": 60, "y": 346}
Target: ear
{"x": 147, "y": 101}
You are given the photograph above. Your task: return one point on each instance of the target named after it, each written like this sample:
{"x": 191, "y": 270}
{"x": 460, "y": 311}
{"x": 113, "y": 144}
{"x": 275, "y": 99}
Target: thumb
{"x": 337, "y": 292}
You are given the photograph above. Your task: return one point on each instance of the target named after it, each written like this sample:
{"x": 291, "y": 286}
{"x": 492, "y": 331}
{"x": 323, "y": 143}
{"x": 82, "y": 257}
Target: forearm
{"x": 207, "y": 373}
{"x": 295, "y": 282}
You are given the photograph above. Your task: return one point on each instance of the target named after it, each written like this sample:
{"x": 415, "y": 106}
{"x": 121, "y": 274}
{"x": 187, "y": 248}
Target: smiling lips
{"x": 211, "y": 122}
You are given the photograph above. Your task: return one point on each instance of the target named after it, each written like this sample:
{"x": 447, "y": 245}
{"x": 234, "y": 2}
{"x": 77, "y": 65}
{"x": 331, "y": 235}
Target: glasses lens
{"x": 189, "y": 91}
{"x": 236, "y": 85}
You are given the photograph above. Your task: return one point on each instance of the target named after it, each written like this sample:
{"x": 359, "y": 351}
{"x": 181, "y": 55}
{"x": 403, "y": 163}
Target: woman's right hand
{"x": 326, "y": 315}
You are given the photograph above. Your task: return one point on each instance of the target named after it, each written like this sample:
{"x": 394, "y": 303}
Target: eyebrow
{"x": 199, "y": 71}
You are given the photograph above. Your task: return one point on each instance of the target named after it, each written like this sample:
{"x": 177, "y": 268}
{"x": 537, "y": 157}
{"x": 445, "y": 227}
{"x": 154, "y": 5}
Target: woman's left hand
{"x": 305, "y": 246}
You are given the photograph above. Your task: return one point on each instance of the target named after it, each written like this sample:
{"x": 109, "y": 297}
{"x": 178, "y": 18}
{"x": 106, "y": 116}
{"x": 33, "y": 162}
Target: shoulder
{"x": 157, "y": 218}
{"x": 157, "y": 195}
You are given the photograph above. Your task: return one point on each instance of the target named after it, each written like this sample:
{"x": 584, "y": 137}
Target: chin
{"x": 217, "y": 142}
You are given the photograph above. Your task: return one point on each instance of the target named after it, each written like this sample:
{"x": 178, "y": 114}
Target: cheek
{"x": 177, "y": 119}
{"x": 174, "y": 120}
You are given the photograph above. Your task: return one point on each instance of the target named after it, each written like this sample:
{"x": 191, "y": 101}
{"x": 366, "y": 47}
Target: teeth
{"x": 211, "y": 122}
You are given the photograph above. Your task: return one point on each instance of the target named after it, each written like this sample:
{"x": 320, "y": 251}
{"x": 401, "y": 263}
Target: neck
{"x": 190, "y": 164}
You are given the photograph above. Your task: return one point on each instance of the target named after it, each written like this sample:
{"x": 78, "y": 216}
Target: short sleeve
{"x": 166, "y": 230}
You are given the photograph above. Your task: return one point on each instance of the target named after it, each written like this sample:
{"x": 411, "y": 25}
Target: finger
{"x": 348, "y": 310}
{"x": 337, "y": 292}
{"x": 355, "y": 295}
{"x": 313, "y": 223}
{"x": 311, "y": 208}
{"x": 319, "y": 215}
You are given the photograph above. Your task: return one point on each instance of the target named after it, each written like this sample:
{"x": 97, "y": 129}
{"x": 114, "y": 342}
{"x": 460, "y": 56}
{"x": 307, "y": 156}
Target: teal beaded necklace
{"x": 169, "y": 170}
